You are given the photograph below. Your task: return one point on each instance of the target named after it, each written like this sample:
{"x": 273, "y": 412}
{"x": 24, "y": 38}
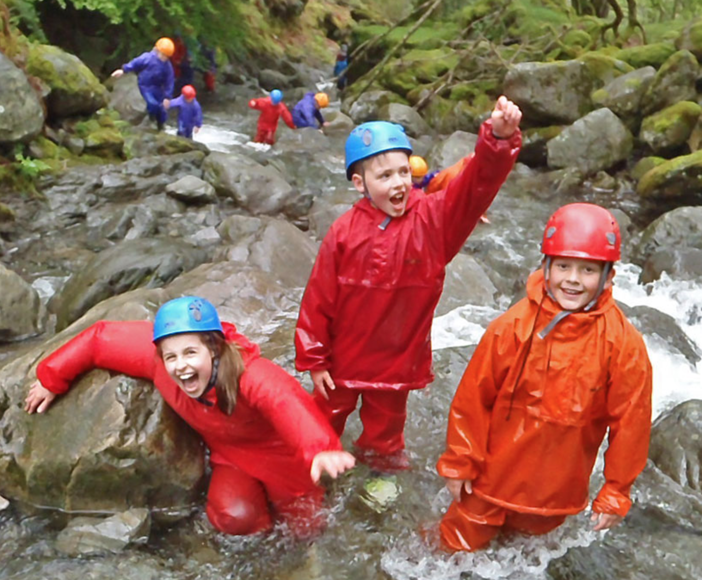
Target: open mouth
{"x": 397, "y": 199}
{"x": 190, "y": 382}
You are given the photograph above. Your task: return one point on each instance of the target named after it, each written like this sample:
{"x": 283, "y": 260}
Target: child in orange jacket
{"x": 365, "y": 319}
{"x": 547, "y": 380}
{"x": 272, "y": 108}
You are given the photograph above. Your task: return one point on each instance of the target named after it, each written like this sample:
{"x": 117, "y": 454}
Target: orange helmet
{"x": 166, "y": 46}
{"x": 418, "y": 166}
{"x": 189, "y": 92}
{"x": 322, "y": 100}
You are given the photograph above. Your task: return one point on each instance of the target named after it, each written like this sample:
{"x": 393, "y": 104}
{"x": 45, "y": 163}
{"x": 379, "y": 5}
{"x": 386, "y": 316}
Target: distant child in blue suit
{"x": 189, "y": 111}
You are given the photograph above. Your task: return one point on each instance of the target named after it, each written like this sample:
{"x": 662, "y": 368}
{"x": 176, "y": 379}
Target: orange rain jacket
{"x": 529, "y": 414}
{"x": 443, "y": 178}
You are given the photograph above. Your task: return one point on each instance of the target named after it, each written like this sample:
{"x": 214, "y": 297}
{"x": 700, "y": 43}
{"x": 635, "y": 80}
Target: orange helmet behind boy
{"x": 418, "y": 166}
{"x": 582, "y": 230}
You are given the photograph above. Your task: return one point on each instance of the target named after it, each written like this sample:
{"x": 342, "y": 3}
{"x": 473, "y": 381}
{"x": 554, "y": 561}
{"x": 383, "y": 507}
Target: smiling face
{"x": 387, "y": 179}
{"x": 574, "y": 281}
{"x": 188, "y": 361}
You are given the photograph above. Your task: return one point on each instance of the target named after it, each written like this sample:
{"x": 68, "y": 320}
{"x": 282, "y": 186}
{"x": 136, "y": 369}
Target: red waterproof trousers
{"x": 237, "y": 504}
{"x": 471, "y": 523}
{"x": 383, "y": 414}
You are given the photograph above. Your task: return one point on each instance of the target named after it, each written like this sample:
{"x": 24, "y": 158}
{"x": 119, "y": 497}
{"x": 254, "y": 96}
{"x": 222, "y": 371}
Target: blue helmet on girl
{"x": 374, "y": 137}
{"x": 186, "y": 314}
{"x": 276, "y": 96}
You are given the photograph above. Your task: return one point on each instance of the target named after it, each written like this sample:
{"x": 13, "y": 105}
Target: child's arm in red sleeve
{"x": 471, "y": 192}
{"x": 123, "y": 347}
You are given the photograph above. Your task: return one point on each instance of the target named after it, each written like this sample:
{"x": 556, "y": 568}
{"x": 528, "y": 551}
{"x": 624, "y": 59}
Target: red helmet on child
{"x": 582, "y": 230}
{"x": 189, "y": 92}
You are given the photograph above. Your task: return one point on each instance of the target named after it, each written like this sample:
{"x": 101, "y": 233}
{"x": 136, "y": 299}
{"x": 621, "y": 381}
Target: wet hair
{"x": 231, "y": 367}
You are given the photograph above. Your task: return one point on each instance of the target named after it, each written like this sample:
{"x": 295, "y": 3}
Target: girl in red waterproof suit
{"x": 267, "y": 440}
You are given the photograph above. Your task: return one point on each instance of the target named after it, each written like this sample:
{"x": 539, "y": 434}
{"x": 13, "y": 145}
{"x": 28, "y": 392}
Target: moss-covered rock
{"x": 105, "y": 141}
{"x": 75, "y": 90}
{"x": 21, "y": 114}
{"x": 604, "y": 68}
{"x": 646, "y": 55}
{"x": 691, "y": 38}
{"x": 7, "y": 214}
{"x": 550, "y": 93}
{"x": 643, "y": 166}
{"x": 670, "y": 128}
{"x": 679, "y": 177}
{"x": 674, "y": 82}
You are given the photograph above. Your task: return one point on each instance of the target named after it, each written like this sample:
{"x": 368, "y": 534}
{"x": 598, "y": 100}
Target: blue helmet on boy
{"x": 186, "y": 314}
{"x": 276, "y": 96}
{"x": 374, "y": 137}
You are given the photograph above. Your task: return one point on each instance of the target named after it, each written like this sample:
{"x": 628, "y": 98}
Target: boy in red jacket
{"x": 272, "y": 108}
{"x": 365, "y": 318}
{"x": 547, "y": 380}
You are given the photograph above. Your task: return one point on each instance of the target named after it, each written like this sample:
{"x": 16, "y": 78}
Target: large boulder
{"x": 275, "y": 246}
{"x": 406, "y": 116}
{"x": 674, "y": 82}
{"x": 75, "y": 90}
{"x": 20, "y": 312}
{"x": 669, "y": 129}
{"x": 550, "y": 93}
{"x": 257, "y": 188}
{"x": 623, "y": 95}
{"x": 131, "y": 264}
{"x": 466, "y": 283}
{"x": 679, "y": 228}
{"x": 597, "y": 141}
{"x": 367, "y": 107}
{"x": 676, "y": 178}
{"x": 451, "y": 150}
{"x": 677, "y": 263}
{"x": 21, "y": 114}
{"x": 126, "y": 99}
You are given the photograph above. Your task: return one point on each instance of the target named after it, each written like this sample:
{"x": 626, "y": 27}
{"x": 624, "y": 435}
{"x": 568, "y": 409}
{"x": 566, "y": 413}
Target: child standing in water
{"x": 155, "y": 78}
{"x": 272, "y": 108}
{"x": 307, "y": 113}
{"x": 548, "y": 379}
{"x": 268, "y": 442}
{"x": 189, "y": 111}
{"x": 365, "y": 318}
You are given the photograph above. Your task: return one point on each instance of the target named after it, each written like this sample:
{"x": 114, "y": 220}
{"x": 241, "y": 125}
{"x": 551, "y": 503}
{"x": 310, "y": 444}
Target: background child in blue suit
{"x": 189, "y": 111}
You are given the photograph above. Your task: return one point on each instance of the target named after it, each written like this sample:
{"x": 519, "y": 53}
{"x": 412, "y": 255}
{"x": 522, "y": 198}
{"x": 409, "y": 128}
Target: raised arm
{"x": 469, "y": 194}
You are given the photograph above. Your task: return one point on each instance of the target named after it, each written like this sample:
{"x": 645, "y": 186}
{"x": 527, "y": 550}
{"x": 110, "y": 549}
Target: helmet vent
{"x": 367, "y": 137}
{"x": 611, "y": 238}
{"x": 195, "y": 311}
{"x": 550, "y": 232}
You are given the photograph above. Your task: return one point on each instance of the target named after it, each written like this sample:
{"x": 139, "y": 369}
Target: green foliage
{"x": 29, "y": 168}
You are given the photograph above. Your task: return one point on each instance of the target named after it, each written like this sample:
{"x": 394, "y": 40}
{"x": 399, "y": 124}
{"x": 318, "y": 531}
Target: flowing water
{"x": 397, "y": 543}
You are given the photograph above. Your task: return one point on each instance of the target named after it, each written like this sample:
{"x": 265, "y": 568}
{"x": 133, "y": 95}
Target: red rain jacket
{"x": 274, "y": 432}
{"x": 366, "y": 313}
{"x": 268, "y": 121}
{"x": 529, "y": 444}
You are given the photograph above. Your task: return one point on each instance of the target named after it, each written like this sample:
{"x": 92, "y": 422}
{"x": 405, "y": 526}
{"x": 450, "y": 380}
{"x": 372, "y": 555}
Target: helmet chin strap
{"x": 563, "y": 313}
{"x": 386, "y": 222}
{"x": 211, "y": 383}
